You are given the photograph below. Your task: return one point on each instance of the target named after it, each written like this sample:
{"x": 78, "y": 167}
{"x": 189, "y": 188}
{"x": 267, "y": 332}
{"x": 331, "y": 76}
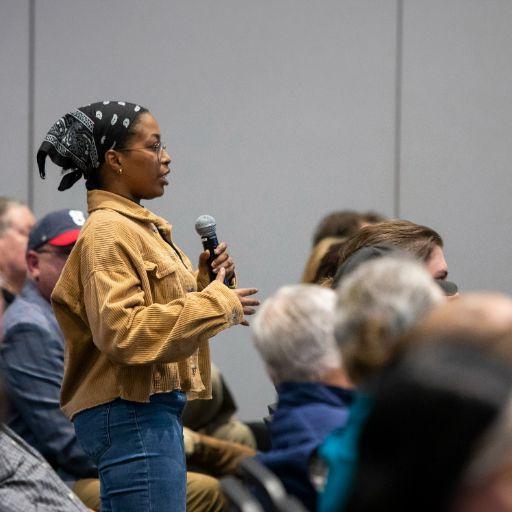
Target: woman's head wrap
{"x": 78, "y": 141}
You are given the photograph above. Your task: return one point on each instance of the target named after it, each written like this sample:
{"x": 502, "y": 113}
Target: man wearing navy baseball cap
{"x": 32, "y": 357}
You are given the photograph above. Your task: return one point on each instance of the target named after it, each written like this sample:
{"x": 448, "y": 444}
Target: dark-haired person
{"x": 135, "y": 317}
{"x": 16, "y": 220}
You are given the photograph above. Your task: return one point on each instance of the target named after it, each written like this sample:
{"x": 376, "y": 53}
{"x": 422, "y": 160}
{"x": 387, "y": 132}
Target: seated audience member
{"x": 16, "y": 220}
{"x": 27, "y": 482}
{"x": 328, "y": 265}
{"x": 32, "y": 359}
{"x": 215, "y": 417}
{"x": 438, "y": 435}
{"x": 421, "y": 242}
{"x": 376, "y": 303}
{"x": 334, "y": 228}
{"x": 293, "y": 332}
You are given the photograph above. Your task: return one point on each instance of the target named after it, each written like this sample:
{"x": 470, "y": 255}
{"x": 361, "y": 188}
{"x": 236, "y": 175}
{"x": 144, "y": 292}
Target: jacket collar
{"x": 103, "y": 200}
{"x": 293, "y": 394}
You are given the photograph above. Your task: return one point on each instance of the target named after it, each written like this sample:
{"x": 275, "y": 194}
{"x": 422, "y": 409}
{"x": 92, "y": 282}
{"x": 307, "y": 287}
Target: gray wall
{"x": 276, "y": 112}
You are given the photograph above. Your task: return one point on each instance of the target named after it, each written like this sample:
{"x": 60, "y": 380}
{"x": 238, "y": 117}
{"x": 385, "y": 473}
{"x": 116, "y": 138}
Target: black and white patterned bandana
{"x": 78, "y": 141}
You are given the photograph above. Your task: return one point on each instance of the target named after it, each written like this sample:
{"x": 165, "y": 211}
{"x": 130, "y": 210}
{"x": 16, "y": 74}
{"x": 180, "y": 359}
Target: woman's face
{"x": 144, "y": 163}
{"x": 436, "y": 264}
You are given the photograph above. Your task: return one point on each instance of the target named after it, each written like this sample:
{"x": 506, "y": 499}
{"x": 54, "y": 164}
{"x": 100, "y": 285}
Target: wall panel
{"x": 457, "y": 132}
{"x": 274, "y": 112}
{"x": 14, "y": 105}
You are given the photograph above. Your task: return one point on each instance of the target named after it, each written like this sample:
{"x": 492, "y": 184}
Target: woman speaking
{"x": 135, "y": 316}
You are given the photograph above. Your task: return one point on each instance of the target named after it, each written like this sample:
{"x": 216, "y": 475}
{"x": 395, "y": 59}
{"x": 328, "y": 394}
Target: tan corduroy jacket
{"x": 136, "y": 319}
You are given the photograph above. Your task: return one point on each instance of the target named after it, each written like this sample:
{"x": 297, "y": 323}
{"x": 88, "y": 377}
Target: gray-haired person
{"x": 377, "y": 302}
{"x": 294, "y": 334}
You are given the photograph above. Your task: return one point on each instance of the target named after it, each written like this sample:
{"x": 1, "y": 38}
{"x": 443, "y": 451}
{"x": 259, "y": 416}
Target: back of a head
{"x": 430, "y": 412}
{"x": 293, "y": 332}
{"x": 377, "y": 303}
{"x": 343, "y": 223}
{"x": 417, "y": 240}
{"x": 328, "y": 265}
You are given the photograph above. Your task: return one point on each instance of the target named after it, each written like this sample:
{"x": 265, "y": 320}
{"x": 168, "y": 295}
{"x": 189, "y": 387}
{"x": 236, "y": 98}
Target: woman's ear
{"x": 113, "y": 159}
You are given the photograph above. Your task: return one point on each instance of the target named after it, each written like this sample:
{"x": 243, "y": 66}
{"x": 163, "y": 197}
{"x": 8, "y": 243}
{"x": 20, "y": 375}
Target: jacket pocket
{"x": 163, "y": 280}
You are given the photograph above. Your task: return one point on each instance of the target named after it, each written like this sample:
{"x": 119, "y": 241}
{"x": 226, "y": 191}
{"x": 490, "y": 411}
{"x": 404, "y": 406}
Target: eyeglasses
{"x": 157, "y": 148}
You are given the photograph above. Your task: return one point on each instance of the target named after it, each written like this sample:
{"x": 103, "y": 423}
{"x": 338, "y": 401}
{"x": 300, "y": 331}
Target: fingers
{"x": 249, "y": 302}
{"x": 221, "y": 275}
{"x": 222, "y": 247}
{"x": 203, "y": 258}
{"x": 223, "y": 259}
{"x": 244, "y": 292}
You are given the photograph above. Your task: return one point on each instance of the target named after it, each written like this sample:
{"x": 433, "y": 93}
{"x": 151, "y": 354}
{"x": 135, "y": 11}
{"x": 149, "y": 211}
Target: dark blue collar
{"x": 292, "y": 394}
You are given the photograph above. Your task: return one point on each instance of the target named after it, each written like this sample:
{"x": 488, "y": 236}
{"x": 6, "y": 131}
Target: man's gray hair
{"x": 293, "y": 332}
{"x": 376, "y": 303}
{"x": 6, "y": 203}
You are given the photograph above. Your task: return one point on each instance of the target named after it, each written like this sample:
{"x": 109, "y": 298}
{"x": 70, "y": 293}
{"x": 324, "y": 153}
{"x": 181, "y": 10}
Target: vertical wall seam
{"x": 398, "y": 105}
{"x": 31, "y": 100}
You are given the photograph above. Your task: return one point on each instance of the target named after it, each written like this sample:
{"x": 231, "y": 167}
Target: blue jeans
{"x": 138, "y": 448}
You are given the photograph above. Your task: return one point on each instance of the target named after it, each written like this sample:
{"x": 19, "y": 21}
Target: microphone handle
{"x": 210, "y": 243}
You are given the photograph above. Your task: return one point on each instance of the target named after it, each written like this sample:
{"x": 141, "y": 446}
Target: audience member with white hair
{"x": 377, "y": 302}
{"x": 293, "y": 332}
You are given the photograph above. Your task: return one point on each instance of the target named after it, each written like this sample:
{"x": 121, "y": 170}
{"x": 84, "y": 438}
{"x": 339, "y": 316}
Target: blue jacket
{"x": 306, "y": 413}
{"x": 32, "y": 362}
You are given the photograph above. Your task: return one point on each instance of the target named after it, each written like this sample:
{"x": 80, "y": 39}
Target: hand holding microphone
{"x": 220, "y": 266}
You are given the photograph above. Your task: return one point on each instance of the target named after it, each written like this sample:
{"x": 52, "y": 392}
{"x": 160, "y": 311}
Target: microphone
{"x": 205, "y": 227}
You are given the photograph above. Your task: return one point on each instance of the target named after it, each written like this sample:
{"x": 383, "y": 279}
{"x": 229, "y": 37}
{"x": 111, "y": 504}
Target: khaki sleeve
{"x": 130, "y": 332}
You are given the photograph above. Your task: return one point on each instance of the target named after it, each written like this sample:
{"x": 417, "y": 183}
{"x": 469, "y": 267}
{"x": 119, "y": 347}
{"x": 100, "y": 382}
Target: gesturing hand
{"x": 243, "y": 294}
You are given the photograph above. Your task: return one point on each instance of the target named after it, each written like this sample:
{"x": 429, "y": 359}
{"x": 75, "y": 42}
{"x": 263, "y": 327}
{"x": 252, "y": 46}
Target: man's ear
{"x": 113, "y": 159}
{"x": 33, "y": 270}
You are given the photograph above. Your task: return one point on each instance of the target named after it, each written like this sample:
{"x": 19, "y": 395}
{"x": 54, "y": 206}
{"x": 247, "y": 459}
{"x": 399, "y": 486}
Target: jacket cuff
{"x": 234, "y": 310}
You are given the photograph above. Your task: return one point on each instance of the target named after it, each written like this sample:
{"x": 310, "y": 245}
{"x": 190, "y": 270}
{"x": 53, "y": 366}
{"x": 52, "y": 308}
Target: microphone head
{"x": 205, "y": 226}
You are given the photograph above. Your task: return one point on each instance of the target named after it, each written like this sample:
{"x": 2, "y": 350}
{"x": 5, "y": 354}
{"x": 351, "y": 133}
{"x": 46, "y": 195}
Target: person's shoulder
{"x": 24, "y": 312}
{"x": 106, "y": 219}
{"x": 106, "y": 228}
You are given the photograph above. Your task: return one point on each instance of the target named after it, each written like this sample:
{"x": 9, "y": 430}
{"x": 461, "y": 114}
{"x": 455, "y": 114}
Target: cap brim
{"x": 66, "y": 238}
